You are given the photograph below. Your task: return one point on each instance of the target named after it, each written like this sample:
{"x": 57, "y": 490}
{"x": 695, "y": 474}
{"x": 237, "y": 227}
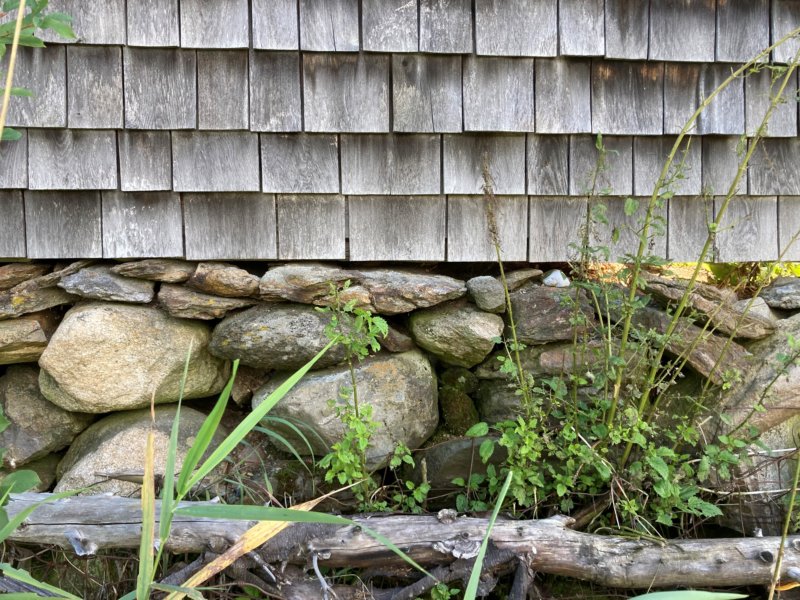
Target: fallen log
{"x": 91, "y": 523}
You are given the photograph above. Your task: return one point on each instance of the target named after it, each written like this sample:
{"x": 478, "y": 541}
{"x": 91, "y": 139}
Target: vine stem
{"x": 11, "y": 62}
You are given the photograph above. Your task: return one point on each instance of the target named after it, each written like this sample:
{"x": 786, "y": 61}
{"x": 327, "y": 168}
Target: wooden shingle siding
{"x": 785, "y": 19}
{"x": 445, "y": 26}
{"x": 275, "y": 91}
{"x": 683, "y": 30}
{"x": 613, "y": 175}
{"x": 760, "y": 90}
{"x": 63, "y": 224}
{"x": 145, "y": 161}
{"x": 329, "y": 25}
{"x": 14, "y": 163}
{"x": 66, "y": 159}
{"x": 426, "y": 93}
{"x": 627, "y": 29}
{"x": 747, "y": 230}
{"x": 742, "y": 29}
{"x": 685, "y": 88}
{"x": 548, "y": 165}
{"x": 581, "y": 26}
{"x": 563, "y": 96}
{"x": 12, "y": 225}
{"x": 773, "y": 168}
{"x": 153, "y": 23}
{"x": 215, "y": 162}
{"x": 222, "y": 89}
{"x": 217, "y": 24}
{"x": 396, "y": 164}
{"x": 45, "y": 71}
{"x": 627, "y": 98}
{"x": 721, "y": 156}
{"x": 229, "y": 226}
{"x": 498, "y": 94}
{"x": 627, "y": 230}
{"x": 788, "y": 226}
{"x": 311, "y": 227}
{"x": 554, "y": 222}
{"x": 346, "y": 92}
{"x": 516, "y": 27}
{"x": 463, "y": 163}
{"x": 300, "y": 163}
{"x": 397, "y": 228}
{"x": 389, "y": 25}
{"x": 94, "y": 87}
{"x": 689, "y": 217}
{"x": 142, "y": 224}
{"x": 650, "y": 155}
{"x": 160, "y": 88}
{"x": 102, "y": 23}
{"x": 275, "y": 25}
{"x": 468, "y": 238}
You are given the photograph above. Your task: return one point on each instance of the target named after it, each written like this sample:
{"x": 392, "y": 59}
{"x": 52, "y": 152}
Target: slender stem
{"x": 776, "y": 574}
{"x": 11, "y": 62}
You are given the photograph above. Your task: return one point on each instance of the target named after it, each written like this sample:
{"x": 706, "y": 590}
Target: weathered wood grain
{"x": 153, "y": 23}
{"x": 160, "y": 88}
{"x": 468, "y": 237}
{"x": 12, "y": 225}
{"x": 142, "y": 225}
{"x": 721, "y": 158}
{"x": 218, "y": 24}
{"x": 464, "y": 158}
{"x": 785, "y": 19}
{"x": 627, "y": 98}
{"x": 627, "y": 230}
{"x": 593, "y": 173}
{"x": 391, "y": 164}
{"x": 229, "y": 226}
{"x": 43, "y": 71}
{"x": 627, "y": 29}
{"x": 94, "y": 87}
{"x": 389, "y": 25}
{"x": 329, "y": 25}
{"x": 311, "y": 227}
{"x": 516, "y": 27}
{"x": 222, "y": 89}
{"x": 682, "y": 30}
{"x": 300, "y": 163}
{"x": 689, "y": 217}
{"x": 748, "y": 230}
{"x": 66, "y": 159}
{"x": 563, "y": 96}
{"x": 742, "y": 29}
{"x": 63, "y": 224}
{"x": 760, "y": 89}
{"x": 346, "y": 92}
{"x": 685, "y": 88}
{"x": 581, "y": 28}
{"x": 548, "y": 165}
{"x": 498, "y": 94}
{"x": 93, "y": 23}
{"x": 788, "y": 227}
{"x": 399, "y": 228}
{"x": 445, "y": 26}
{"x": 275, "y": 25}
{"x": 649, "y": 155}
{"x": 773, "y": 168}
{"x": 426, "y": 93}
{"x": 275, "y": 103}
{"x": 215, "y": 162}
{"x": 14, "y": 163}
{"x": 145, "y": 161}
{"x": 555, "y": 223}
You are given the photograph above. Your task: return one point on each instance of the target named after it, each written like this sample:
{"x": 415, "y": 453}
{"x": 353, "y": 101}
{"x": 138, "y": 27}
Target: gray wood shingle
{"x": 748, "y": 230}
{"x": 103, "y": 23}
{"x": 589, "y": 177}
{"x": 346, "y": 92}
{"x": 160, "y": 88}
{"x": 142, "y": 225}
{"x": 721, "y": 156}
{"x": 788, "y": 226}
{"x": 650, "y": 154}
{"x": 682, "y": 30}
{"x": 686, "y": 86}
{"x": 627, "y": 98}
{"x": 389, "y": 25}
{"x": 581, "y": 26}
{"x": 275, "y": 25}
{"x": 468, "y": 237}
{"x": 215, "y": 162}
{"x": 12, "y": 225}
{"x": 217, "y": 24}
{"x": 516, "y": 27}
{"x": 94, "y": 87}
{"x": 563, "y": 96}
{"x": 426, "y": 93}
{"x": 464, "y": 159}
{"x": 153, "y": 23}
{"x": 399, "y": 228}
{"x": 63, "y": 224}
{"x": 222, "y": 89}
{"x": 275, "y": 103}
{"x": 391, "y": 164}
{"x": 145, "y": 161}
{"x": 329, "y": 25}
{"x": 554, "y": 224}
{"x": 689, "y": 217}
{"x": 548, "y": 165}
{"x": 773, "y": 168}
{"x": 229, "y": 226}
{"x": 43, "y": 71}
{"x": 300, "y": 163}
{"x": 742, "y": 29}
{"x": 14, "y": 163}
{"x": 626, "y": 229}
{"x": 67, "y": 159}
{"x": 785, "y": 19}
{"x": 498, "y": 94}
{"x": 760, "y": 89}
{"x": 445, "y": 26}
{"x": 311, "y": 227}
{"x": 627, "y": 29}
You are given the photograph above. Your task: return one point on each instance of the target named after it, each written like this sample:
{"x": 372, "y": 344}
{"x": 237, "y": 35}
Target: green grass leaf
{"x": 10, "y": 135}
{"x": 25, "y": 577}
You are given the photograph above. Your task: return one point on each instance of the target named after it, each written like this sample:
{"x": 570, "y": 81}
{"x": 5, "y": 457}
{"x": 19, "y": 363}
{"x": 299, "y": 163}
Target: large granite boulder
{"x": 107, "y": 357}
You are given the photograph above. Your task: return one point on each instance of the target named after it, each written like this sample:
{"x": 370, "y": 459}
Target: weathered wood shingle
{"x": 622, "y": 233}
{"x": 93, "y": 23}
{"x": 311, "y": 227}
{"x": 445, "y": 26}
{"x": 145, "y": 161}
{"x": 160, "y": 88}
{"x": 760, "y": 90}
{"x": 555, "y": 223}
{"x": 464, "y": 159}
{"x": 548, "y": 165}
{"x": 498, "y": 94}
{"x": 748, "y": 229}
{"x": 468, "y": 237}
{"x": 563, "y": 96}
{"x": 686, "y": 86}
{"x": 689, "y": 219}
{"x": 426, "y": 93}
{"x": 44, "y": 72}
{"x": 222, "y": 89}
{"x": 627, "y": 98}
{"x": 785, "y": 19}
{"x": 300, "y": 163}
{"x": 275, "y": 91}
{"x": 12, "y": 225}
{"x": 14, "y": 163}
{"x": 516, "y": 27}
{"x": 63, "y": 224}
{"x": 595, "y": 172}
{"x": 627, "y": 29}
{"x": 682, "y": 30}
{"x": 142, "y": 225}
{"x": 742, "y": 29}
{"x": 94, "y": 87}
{"x": 773, "y": 168}
{"x": 67, "y": 159}
{"x": 649, "y": 156}
{"x": 153, "y": 23}
{"x": 215, "y": 162}
{"x": 721, "y": 156}
{"x": 788, "y": 226}
{"x": 329, "y": 25}
{"x": 275, "y": 25}
{"x": 217, "y": 24}
{"x": 581, "y": 27}
{"x": 389, "y": 25}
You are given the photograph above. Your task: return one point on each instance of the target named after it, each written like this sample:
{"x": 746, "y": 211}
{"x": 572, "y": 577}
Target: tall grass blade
{"x": 146, "y": 553}
{"x": 287, "y": 444}
{"x": 17, "y": 520}
{"x": 179, "y": 589}
{"x": 25, "y": 577}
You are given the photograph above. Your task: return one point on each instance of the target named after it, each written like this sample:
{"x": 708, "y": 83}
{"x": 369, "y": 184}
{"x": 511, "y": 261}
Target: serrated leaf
{"x": 486, "y": 450}
{"x": 658, "y": 465}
